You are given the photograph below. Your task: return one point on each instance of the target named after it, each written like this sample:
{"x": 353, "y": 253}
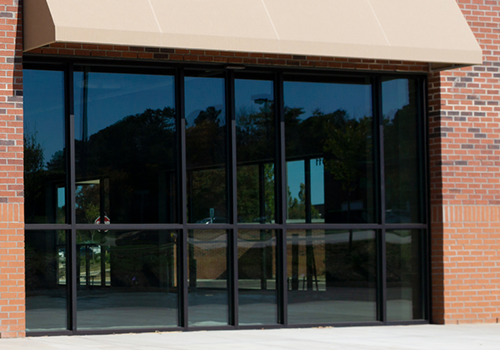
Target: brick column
{"x": 465, "y": 179}
{"x": 12, "y": 295}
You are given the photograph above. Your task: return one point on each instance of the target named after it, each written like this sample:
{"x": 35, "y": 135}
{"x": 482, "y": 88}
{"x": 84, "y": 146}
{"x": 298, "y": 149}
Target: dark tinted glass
{"x": 44, "y": 146}
{"x": 207, "y": 278}
{"x": 404, "y": 275}
{"x": 46, "y": 280}
{"x": 255, "y": 148}
{"x": 257, "y": 277}
{"x": 125, "y": 148}
{"x": 331, "y": 276}
{"x": 206, "y": 149}
{"x": 126, "y": 279}
{"x": 403, "y": 156}
{"x": 329, "y": 152}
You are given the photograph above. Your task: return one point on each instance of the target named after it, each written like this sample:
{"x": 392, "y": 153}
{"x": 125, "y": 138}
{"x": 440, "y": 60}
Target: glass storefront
{"x": 174, "y": 198}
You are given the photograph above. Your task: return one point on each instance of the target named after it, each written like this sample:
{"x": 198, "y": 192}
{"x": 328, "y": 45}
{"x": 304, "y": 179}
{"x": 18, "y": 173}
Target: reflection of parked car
{"x": 214, "y": 220}
{"x": 261, "y": 219}
{"x": 143, "y": 238}
{"x": 62, "y": 255}
{"x": 395, "y": 216}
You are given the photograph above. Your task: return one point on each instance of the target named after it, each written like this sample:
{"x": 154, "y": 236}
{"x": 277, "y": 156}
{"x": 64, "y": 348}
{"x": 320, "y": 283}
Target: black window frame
{"x": 280, "y": 226}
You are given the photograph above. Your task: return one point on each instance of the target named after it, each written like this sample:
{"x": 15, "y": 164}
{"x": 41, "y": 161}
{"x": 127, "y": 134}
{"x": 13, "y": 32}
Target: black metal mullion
{"x": 70, "y": 197}
{"x": 382, "y": 261}
{"x": 320, "y": 226}
{"x": 183, "y": 251}
{"x": 426, "y": 266}
{"x": 281, "y": 200}
{"x": 233, "y": 205}
{"x": 252, "y": 226}
{"x": 307, "y": 178}
{"x": 130, "y": 226}
{"x": 49, "y": 227}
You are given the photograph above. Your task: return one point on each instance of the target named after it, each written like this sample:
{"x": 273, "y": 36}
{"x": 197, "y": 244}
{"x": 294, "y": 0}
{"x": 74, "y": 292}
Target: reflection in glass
{"x": 127, "y": 279}
{"x": 401, "y": 150}
{"x": 46, "y": 280}
{"x": 125, "y": 148}
{"x": 257, "y": 277}
{"x": 329, "y": 152}
{"x": 331, "y": 276}
{"x": 255, "y": 150}
{"x": 207, "y": 278}
{"x": 404, "y": 275}
{"x": 206, "y": 150}
{"x": 44, "y": 146}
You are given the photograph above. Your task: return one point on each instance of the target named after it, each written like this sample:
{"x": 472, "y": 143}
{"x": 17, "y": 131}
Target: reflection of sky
{"x": 251, "y": 95}
{"x": 202, "y": 93}
{"x": 113, "y": 96}
{"x": 394, "y": 96}
{"x": 327, "y": 97}
{"x": 317, "y": 182}
{"x": 296, "y": 176}
{"x": 44, "y": 109}
{"x": 61, "y": 197}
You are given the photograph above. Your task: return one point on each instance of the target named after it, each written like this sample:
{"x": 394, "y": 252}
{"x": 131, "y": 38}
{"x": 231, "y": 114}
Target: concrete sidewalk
{"x": 428, "y": 337}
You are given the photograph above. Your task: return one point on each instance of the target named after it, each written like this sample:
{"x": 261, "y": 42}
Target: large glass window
{"x": 402, "y": 151}
{"x": 405, "y": 299}
{"x": 44, "y": 146}
{"x": 46, "y": 280}
{"x": 126, "y": 279}
{"x": 126, "y": 148}
{"x": 257, "y": 277}
{"x": 207, "y": 278}
{"x": 248, "y": 198}
{"x": 255, "y": 150}
{"x": 206, "y": 148}
{"x": 331, "y": 276}
{"x": 329, "y": 151}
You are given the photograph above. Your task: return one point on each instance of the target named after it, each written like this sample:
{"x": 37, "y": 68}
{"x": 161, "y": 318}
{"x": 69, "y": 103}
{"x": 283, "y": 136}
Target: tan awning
{"x": 433, "y": 31}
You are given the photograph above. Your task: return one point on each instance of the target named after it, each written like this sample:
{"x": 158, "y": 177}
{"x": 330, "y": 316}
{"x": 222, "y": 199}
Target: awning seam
{"x": 378, "y": 22}
{"x": 270, "y": 19}
{"x": 154, "y": 15}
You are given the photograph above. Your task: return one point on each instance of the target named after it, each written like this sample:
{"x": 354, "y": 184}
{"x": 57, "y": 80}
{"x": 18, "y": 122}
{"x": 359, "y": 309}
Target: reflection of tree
{"x": 255, "y": 134}
{"x": 249, "y": 195}
{"x": 33, "y": 170}
{"x": 137, "y": 155}
{"x": 40, "y": 182}
{"x": 344, "y": 144}
{"x": 33, "y": 154}
{"x": 206, "y": 139}
{"x": 143, "y": 139}
{"x": 206, "y": 164}
{"x": 401, "y": 166}
{"x": 255, "y": 156}
{"x": 346, "y": 148}
{"x": 87, "y": 202}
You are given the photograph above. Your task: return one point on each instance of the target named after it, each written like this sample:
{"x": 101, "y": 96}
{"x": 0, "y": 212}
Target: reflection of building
{"x": 297, "y": 174}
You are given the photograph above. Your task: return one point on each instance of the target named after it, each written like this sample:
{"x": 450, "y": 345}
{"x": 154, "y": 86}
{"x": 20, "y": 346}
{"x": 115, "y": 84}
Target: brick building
{"x": 255, "y": 169}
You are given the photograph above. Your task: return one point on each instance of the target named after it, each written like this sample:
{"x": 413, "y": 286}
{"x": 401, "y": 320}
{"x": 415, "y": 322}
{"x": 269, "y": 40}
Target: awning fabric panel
{"x": 432, "y": 31}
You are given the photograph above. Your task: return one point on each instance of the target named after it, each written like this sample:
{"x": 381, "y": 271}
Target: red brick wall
{"x": 465, "y": 179}
{"x": 12, "y": 320}
{"x": 221, "y": 57}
